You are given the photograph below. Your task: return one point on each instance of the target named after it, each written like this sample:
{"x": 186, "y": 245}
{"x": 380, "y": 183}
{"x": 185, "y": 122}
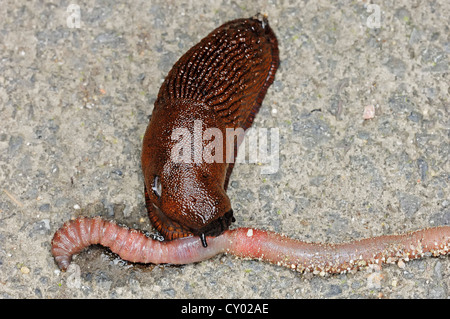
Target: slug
{"x": 220, "y": 84}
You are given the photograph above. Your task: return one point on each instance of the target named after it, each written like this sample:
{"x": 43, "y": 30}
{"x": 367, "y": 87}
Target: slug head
{"x": 185, "y": 194}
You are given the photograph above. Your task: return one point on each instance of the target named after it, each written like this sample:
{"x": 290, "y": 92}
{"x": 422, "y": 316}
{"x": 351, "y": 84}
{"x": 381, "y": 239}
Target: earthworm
{"x": 318, "y": 258}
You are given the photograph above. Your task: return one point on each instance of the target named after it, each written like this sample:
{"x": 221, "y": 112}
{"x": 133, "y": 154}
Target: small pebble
{"x": 25, "y": 270}
{"x": 369, "y": 112}
{"x": 374, "y": 280}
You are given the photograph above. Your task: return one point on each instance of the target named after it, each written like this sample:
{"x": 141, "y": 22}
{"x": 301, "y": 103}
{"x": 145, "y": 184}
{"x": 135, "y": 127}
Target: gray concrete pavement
{"x": 74, "y": 105}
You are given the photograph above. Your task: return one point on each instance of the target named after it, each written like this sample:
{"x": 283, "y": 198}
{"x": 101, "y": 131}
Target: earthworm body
{"x": 135, "y": 246}
{"x": 220, "y": 83}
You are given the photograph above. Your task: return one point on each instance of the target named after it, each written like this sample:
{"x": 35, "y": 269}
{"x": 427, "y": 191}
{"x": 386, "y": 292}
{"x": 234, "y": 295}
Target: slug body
{"x": 216, "y": 87}
{"x": 219, "y": 85}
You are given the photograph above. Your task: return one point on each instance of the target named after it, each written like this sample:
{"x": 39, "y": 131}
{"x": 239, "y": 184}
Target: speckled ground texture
{"x": 75, "y": 102}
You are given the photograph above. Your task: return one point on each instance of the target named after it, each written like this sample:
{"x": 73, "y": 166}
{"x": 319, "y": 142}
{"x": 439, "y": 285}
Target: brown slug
{"x": 220, "y": 83}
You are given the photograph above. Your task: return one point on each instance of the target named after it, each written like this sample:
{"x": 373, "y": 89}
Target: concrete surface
{"x": 74, "y": 105}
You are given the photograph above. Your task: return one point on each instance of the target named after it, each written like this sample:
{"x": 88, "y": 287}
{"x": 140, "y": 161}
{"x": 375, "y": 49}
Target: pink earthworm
{"x": 318, "y": 258}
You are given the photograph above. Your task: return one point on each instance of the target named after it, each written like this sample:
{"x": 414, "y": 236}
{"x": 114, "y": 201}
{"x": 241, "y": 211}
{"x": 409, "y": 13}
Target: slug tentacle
{"x": 318, "y": 258}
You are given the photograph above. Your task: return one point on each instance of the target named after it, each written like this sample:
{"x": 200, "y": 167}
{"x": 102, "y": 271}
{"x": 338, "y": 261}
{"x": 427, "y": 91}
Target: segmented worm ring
{"x": 135, "y": 246}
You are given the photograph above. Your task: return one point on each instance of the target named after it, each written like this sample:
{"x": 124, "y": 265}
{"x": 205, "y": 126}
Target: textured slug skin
{"x": 219, "y": 83}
